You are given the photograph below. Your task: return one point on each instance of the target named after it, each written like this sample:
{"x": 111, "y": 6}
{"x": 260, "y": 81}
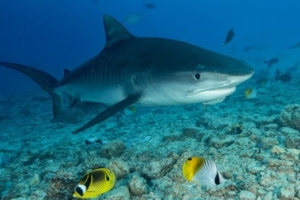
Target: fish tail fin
{"x": 45, "y": 80}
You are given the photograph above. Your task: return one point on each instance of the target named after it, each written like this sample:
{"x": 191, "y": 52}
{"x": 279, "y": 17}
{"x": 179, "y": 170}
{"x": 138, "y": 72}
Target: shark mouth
{"x": 216, "y": 95}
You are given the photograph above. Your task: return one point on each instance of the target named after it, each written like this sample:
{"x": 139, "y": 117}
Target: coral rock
{"x": 290, "y": 116}
{"x": 288, "y": 131}
{"x": 219, "y": 143}
{"x": 246, "y": 195}
{"x": 137, "y": 185}
{"x": 38, "y": 194}
{"x": 157, "y": 168}
{"x": 292, "y": 141}
{"x": 190, "y": 132}
{"x": 287, "y": 193}
{"x": 119, "y": 167}
{"x": 113, "y": 149}
{"x": 120, "y": 193}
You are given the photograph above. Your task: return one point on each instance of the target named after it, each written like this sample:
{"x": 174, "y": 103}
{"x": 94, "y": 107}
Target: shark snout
{"x": 235, "y": 80}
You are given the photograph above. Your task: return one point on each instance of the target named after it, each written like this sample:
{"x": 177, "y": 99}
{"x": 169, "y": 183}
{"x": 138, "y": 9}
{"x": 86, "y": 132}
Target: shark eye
{"x": 197, "y": 76}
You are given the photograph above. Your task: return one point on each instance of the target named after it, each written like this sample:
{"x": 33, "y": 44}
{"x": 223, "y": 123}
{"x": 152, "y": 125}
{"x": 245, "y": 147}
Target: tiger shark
{"x": 145, "y": 71}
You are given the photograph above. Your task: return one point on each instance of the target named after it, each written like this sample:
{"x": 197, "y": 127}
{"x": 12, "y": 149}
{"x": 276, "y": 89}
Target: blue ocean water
{"x": 41, "y": 159}
{"x": 33, "y": 31}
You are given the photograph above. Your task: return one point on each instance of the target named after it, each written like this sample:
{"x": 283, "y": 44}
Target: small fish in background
{"x": 262, "y": 73}
{"x": 251, "y": 93}
{"x": 149, "y": 5}
{"x": 294, "y": 68}
{"x": 297, "y": 45}
{"x": 261, "y": 82}
{"x": 130, "y": 110}
{"x": 93, "y": 140}
{"x": 247, "y": 48}
{"x": 95, "y": 183}
{"x": 127, "y": 112}
{"x": 235, "y": 129}
{"x": 132, "y": 19}
{"x": 202, "y": 171}
{"x": 95, "y": 2}
{"x": 229, "y": 37}
{"x": 283, "y": 77}
{"x": 252, "y": 47}
{"x": 271, "y": 61}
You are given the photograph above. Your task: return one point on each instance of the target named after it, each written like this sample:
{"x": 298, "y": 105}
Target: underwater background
{"x": 253, "y": 136}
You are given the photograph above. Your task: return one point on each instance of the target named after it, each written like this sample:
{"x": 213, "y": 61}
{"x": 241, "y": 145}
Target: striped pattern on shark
{"x": 144, "y": 71}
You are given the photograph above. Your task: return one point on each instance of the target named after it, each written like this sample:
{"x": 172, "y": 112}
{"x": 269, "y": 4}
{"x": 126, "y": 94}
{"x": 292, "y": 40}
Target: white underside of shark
{"x": 143, "y": 71}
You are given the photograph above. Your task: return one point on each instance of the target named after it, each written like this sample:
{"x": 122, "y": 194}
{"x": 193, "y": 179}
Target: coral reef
{"x": 290, "y": 116}
{"x": 254, "y": 144}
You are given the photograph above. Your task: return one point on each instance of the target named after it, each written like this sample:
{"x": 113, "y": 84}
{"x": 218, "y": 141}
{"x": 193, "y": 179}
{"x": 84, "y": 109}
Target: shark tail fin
{"x": 45, "y": 80}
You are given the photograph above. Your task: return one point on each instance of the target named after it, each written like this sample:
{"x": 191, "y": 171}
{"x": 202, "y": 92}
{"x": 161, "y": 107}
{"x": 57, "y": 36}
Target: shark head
{"x": 171, "y": 72}
{"x": 182, "y": 73}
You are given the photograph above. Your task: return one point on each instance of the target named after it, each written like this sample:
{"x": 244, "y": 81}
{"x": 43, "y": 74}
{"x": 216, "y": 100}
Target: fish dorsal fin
{"x": 115, "y": 31}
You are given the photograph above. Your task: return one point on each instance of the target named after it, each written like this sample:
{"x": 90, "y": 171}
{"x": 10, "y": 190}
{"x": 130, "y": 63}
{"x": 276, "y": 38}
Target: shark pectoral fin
{"x": 75, "y": 101}
{"x": 110, "y": 111}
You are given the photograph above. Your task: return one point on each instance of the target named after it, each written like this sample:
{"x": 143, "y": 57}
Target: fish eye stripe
{"x": 88, "y": 181}
{"x": 85, "y": 178}
{"x": 79, "y": 190}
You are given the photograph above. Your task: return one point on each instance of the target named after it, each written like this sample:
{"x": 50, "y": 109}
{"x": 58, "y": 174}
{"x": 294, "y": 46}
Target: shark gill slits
{"x": 197, "y": 76}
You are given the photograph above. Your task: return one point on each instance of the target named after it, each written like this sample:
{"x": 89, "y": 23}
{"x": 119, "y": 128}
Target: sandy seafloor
{"x": 42, "y": 159}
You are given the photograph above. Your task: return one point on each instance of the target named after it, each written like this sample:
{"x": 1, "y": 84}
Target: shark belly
{"x": 206, "y": 97}
{"x": 107, "y": 95}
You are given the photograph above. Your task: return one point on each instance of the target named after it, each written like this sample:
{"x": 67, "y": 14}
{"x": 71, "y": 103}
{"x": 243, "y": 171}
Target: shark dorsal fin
{"x": 115, "y": 31}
